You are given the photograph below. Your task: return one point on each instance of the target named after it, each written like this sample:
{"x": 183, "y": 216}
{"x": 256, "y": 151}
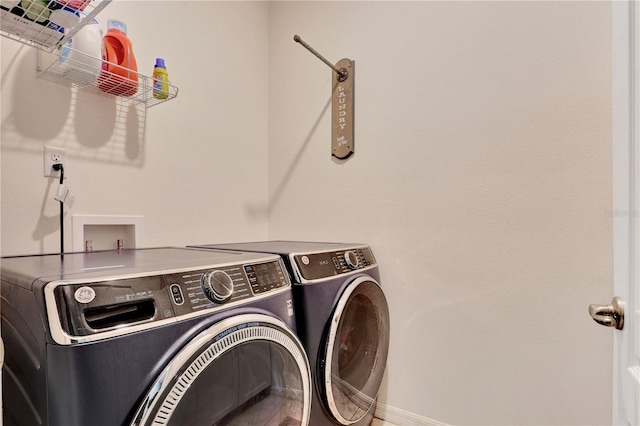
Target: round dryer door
{"x": 245, "y": 370}
{"x": 356, "y": 350}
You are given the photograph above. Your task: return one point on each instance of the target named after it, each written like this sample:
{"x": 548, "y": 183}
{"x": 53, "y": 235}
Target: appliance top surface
{"x": 283, "y": 247}
{"x": 24, "y": 270}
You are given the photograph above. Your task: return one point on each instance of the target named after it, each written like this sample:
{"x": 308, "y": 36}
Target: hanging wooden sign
{"x": 342, "y": 113}
{"x": 342, "y": 100}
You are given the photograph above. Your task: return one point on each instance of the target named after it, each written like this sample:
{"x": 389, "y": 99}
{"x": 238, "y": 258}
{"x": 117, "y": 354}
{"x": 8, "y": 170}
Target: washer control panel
{"x": 314, "y": 266}
{"x": 197, "y": 290}
{"x": 91, "y": 308}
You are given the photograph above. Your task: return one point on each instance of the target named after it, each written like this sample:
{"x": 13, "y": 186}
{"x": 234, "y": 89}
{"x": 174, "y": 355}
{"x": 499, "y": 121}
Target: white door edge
{"x": 626, "y": 162}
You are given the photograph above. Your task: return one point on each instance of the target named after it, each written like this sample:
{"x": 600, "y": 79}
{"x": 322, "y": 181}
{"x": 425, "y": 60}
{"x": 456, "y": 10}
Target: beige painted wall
{"x": 194, "y": 167}
{"x": 482, "y": 176}
{"x": 482, "y": 180}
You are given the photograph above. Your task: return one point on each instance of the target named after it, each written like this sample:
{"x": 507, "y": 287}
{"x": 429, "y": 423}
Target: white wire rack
{"x": 31, "y": 22}
{"x": 28, "y": 21}
{"x": 78, "y": 69}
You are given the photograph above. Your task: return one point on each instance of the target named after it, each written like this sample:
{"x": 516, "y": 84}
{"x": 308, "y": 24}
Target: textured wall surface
{"x": 194, "y": 167}
{"x": 482, "y": 175}
{"x": 482, "y": 180}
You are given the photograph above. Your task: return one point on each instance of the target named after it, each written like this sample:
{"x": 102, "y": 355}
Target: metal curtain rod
{"x": 341, "y": 72}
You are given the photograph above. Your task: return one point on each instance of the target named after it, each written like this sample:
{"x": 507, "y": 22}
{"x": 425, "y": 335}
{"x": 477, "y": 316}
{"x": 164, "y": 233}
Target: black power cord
{"x": 59, "y": 167}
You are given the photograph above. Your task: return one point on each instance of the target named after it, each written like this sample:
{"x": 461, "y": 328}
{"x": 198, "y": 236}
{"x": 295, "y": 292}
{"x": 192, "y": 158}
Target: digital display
{"x": 265, "y": 276}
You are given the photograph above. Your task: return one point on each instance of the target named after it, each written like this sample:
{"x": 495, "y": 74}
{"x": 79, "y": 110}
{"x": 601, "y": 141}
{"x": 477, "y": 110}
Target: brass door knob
{"x": 609, "y": 315}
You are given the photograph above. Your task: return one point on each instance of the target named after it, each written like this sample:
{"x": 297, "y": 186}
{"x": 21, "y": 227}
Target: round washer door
{"x": 356, "y": 350}
{"x": 246, "y": 369}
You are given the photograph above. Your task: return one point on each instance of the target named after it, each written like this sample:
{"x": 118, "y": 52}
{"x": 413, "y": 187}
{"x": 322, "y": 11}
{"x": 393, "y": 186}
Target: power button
{"x": 176, "y": 293}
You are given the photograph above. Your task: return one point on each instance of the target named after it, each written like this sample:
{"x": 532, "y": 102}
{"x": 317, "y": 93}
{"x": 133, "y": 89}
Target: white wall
{"x": 194, "y": 167}
{"x": 482, "y": 180}
{"x": 482, "y": 176}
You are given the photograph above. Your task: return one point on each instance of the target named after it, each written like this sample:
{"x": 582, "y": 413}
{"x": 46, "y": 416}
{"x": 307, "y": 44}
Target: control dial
{"x": 217, "y": 286}
{"x": 351, "y": 259}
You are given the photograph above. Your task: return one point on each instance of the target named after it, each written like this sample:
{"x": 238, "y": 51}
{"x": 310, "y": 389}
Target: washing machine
{"x": 342, "y": 321}
{"x": 165, "y": 336}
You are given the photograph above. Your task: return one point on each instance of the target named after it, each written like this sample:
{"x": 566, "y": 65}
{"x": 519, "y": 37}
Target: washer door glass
{"x": 246, "y": 370}
{"x": 356, "y": 351}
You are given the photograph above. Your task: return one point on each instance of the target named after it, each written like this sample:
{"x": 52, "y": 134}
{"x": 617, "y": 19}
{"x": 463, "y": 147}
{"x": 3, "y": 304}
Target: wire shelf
{"x": 31, "y": 22}
{"x": 76, "y": 68}
{"x": 36, "y": 23}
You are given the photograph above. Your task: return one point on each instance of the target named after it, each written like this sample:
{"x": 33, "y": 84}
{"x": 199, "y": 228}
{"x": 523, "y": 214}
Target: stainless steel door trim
{"x": 329, "y": 376}
{"x": 279, "y": 334}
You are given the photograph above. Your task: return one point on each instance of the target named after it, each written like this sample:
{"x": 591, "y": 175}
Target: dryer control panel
{"x": 316, "y": 266}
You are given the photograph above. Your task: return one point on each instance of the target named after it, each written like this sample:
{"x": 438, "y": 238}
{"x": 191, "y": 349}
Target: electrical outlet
{"x": 53, "y": 155}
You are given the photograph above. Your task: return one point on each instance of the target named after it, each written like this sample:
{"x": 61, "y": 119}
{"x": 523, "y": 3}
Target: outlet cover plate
{"x": 53, "y": 155}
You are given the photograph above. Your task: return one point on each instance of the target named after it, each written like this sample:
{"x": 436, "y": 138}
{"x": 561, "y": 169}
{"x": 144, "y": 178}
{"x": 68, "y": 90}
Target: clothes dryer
{"x": 167, "y": 336}
{"x": 342, "y": 320}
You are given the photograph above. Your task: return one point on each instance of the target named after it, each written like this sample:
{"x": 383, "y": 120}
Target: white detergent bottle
{"x": 81, "y": 57}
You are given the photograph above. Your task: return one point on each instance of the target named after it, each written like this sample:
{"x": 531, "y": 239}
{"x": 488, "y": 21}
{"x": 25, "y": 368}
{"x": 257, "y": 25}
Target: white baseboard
{"x": 402, "y": 417}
